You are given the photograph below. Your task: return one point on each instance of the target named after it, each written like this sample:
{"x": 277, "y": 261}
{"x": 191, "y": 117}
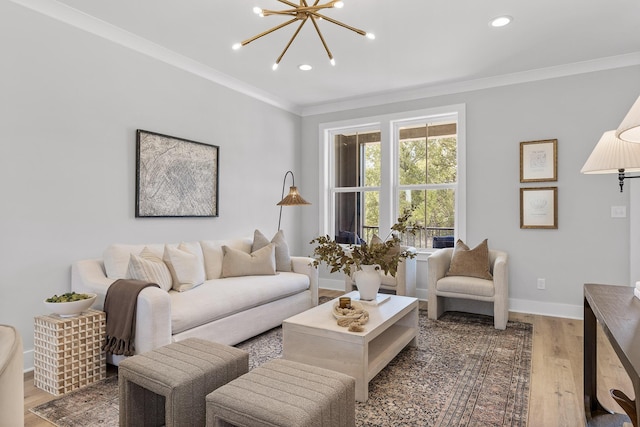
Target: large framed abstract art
{"x": 175, "y": 177}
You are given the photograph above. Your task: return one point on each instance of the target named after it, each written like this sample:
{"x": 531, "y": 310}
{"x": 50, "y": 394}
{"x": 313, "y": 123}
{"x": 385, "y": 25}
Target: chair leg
{"x": 500, "y": 316}
{"x": 435, "y": 307}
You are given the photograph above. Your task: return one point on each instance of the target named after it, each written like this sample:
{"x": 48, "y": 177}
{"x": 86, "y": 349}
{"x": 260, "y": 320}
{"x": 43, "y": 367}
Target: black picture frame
{"x": 175, "y": 177}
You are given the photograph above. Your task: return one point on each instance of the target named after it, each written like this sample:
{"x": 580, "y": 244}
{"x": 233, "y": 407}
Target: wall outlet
{"x": 541, "y": 284}
{"x": 618, "y": 211}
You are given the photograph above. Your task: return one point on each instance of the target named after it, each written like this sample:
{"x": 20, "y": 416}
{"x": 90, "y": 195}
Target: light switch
{"x": 618, "y": 211}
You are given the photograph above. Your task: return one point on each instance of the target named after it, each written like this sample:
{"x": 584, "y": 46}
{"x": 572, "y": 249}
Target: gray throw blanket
{"x": 120, "y": 308}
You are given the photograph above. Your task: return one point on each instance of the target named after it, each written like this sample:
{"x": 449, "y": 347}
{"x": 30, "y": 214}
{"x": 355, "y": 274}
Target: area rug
{"x": 463, "y": 373}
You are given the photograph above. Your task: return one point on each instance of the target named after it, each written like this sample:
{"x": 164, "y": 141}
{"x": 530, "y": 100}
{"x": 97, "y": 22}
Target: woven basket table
{"x": 68, "y": 351}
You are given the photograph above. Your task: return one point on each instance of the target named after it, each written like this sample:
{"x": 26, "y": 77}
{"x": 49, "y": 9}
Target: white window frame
{"x": 389, "y": 189}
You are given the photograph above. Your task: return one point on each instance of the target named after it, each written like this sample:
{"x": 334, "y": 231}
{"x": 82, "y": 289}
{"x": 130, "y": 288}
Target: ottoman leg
{"x": 138, "y": 406}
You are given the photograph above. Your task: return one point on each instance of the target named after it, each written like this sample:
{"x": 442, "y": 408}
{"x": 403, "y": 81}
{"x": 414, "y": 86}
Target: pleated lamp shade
{"x": 293, "y": 198}
{"x": 612, "y": 154}
{"x": 629, "y": 129}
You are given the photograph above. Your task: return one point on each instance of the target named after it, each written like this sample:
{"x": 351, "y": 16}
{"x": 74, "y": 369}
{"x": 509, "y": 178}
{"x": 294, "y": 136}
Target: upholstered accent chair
{"x": 11, "y": 377}
{"x": 440, "y": 285}
{"x": 404, "y": 283}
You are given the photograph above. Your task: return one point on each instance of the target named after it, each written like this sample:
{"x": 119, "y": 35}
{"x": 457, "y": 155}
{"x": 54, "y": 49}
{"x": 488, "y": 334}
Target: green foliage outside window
{"x": 419, "y": 163}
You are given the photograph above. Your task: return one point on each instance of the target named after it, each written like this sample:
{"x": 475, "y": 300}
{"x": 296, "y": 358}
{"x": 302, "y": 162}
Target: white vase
{"x": 367, "y": 281}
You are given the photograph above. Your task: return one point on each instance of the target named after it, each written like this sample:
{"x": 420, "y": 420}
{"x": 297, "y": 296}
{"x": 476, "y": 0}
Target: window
{"x": 371, "y": 176}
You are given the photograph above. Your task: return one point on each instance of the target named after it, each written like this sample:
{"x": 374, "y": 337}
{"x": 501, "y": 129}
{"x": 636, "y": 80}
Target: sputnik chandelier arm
{"x": 302, "y": 12}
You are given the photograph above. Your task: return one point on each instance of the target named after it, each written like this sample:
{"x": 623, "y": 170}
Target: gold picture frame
{"x": 539, "y": 207}
{"x": 539, "y": 160}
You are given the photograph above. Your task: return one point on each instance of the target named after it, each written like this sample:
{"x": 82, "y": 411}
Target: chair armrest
{"x": 304, "y": 265}
{"x": 438, "y": 265}
{"x": 501, "y": 274}
{"x": 406, "y": 274}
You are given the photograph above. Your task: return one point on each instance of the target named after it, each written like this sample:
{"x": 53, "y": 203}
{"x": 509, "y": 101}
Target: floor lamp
{"x": 293, "y": 198}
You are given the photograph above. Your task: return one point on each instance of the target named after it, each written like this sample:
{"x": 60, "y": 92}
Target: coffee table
{"x": 313, "y": 337}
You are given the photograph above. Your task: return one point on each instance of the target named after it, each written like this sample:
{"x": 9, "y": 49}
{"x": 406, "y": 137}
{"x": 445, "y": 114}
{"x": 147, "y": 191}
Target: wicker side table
{"x": 68, "y": 351}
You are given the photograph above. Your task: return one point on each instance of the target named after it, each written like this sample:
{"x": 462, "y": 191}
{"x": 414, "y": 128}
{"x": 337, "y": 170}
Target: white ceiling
{"x": 420, "y": 45}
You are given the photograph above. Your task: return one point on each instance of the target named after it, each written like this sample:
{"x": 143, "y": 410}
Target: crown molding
{"x": 100, "y": 28}
{"x": 93, "y": 25}
{"x": 429, "y": 91}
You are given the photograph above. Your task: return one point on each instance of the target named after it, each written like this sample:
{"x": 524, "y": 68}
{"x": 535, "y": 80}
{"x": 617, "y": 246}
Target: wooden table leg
{"x": 595, "y": 413}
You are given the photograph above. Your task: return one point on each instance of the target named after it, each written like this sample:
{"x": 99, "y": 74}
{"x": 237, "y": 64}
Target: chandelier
{"x": 302, "y": 12}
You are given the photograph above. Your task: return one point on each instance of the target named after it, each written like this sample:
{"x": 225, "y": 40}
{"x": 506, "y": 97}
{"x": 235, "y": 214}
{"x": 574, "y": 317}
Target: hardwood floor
{"x": 556, "y": 374}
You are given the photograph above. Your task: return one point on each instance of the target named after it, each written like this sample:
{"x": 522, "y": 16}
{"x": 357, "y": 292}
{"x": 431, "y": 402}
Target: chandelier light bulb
{"x": 258, "y": 11}
{"x": 370, "y": 36}
{"x": 236, "y": 46}
{"x": 274, "y": 66}
{"x": 333, "y": 62}
{"x": 338, "y": 4}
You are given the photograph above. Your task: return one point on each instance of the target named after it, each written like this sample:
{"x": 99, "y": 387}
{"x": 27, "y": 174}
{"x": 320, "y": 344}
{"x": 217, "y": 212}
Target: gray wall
{"x": 70, "y": 103}
{"x": 589, "y": 245}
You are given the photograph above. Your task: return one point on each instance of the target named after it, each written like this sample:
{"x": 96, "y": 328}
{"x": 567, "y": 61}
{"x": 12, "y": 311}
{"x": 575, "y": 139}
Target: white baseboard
{"x": 516, "y": 305}
{"x": 546, "y": 308}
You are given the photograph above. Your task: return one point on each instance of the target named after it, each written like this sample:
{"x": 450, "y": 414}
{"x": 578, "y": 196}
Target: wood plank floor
{"x": 556, "y": 377}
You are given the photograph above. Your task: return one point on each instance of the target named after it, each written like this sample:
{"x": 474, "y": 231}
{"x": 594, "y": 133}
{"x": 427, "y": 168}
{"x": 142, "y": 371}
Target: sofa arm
{"x": 153, "y": 319}
{"x": 153, "y": 308}
{"x": 89, "y": 276}
{"x": 304, "y": 265}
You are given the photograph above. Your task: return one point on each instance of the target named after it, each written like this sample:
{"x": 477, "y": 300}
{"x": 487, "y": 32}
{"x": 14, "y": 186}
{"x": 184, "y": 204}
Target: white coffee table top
{"x": 320, "y": 320}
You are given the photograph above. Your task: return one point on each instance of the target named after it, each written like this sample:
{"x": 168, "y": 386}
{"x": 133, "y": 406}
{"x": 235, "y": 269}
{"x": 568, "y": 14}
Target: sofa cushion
{"x": 151, "y": 268}
{"x": 237, "y": 263}
{"x": 186, "y": 266}
{"x": 283, "y": 259}
{"x": 219, "y": 298}
{"x": 470, "y": 262}
{"x": 212, "y": 251}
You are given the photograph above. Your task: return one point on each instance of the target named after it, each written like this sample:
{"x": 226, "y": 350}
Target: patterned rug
{"x": 463, "y": 373}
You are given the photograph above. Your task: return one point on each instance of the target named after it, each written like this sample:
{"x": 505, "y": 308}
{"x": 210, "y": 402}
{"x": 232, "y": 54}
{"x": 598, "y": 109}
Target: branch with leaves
{"x": 349, "y": 258}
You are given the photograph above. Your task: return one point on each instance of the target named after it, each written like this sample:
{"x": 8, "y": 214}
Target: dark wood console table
{"x": 618, "y": 312}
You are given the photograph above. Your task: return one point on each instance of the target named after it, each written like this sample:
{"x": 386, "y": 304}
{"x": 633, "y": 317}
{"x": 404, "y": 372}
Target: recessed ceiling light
{"x": 501, "y": 21}
{"x": 305, "y": 67}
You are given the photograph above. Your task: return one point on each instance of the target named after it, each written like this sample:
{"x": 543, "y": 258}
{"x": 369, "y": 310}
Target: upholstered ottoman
{"x": 168, "y": 385}
{"x": 286, "y": 394}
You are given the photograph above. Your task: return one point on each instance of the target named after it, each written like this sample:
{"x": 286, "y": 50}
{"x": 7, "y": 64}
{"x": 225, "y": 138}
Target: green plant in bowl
{"x": 70, "y": 304}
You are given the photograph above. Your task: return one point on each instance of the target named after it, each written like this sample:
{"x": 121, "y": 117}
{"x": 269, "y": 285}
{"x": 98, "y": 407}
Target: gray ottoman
{"x": 168, "y": 385}
{"x": 286, "y": 394}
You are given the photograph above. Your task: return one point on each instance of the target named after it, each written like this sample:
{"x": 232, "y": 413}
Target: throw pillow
{"x": 237, "y": 263}
{"x": 470, "y": 262}
{"x": 149, "y": 267}
{"x": 283, "y": 259}
{"x": 394, "y": 251}
{"x": 186, "y": 268}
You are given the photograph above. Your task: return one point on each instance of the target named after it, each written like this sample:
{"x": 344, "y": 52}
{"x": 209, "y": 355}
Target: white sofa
{"x": 225, "y": 310}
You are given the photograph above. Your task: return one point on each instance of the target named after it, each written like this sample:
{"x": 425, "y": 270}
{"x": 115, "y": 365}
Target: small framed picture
{"x": 539, "y": 161}
{"x": 539, "y": 207}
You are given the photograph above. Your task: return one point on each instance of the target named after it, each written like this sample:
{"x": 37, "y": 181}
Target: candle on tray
{"x": 345, "y": 302}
